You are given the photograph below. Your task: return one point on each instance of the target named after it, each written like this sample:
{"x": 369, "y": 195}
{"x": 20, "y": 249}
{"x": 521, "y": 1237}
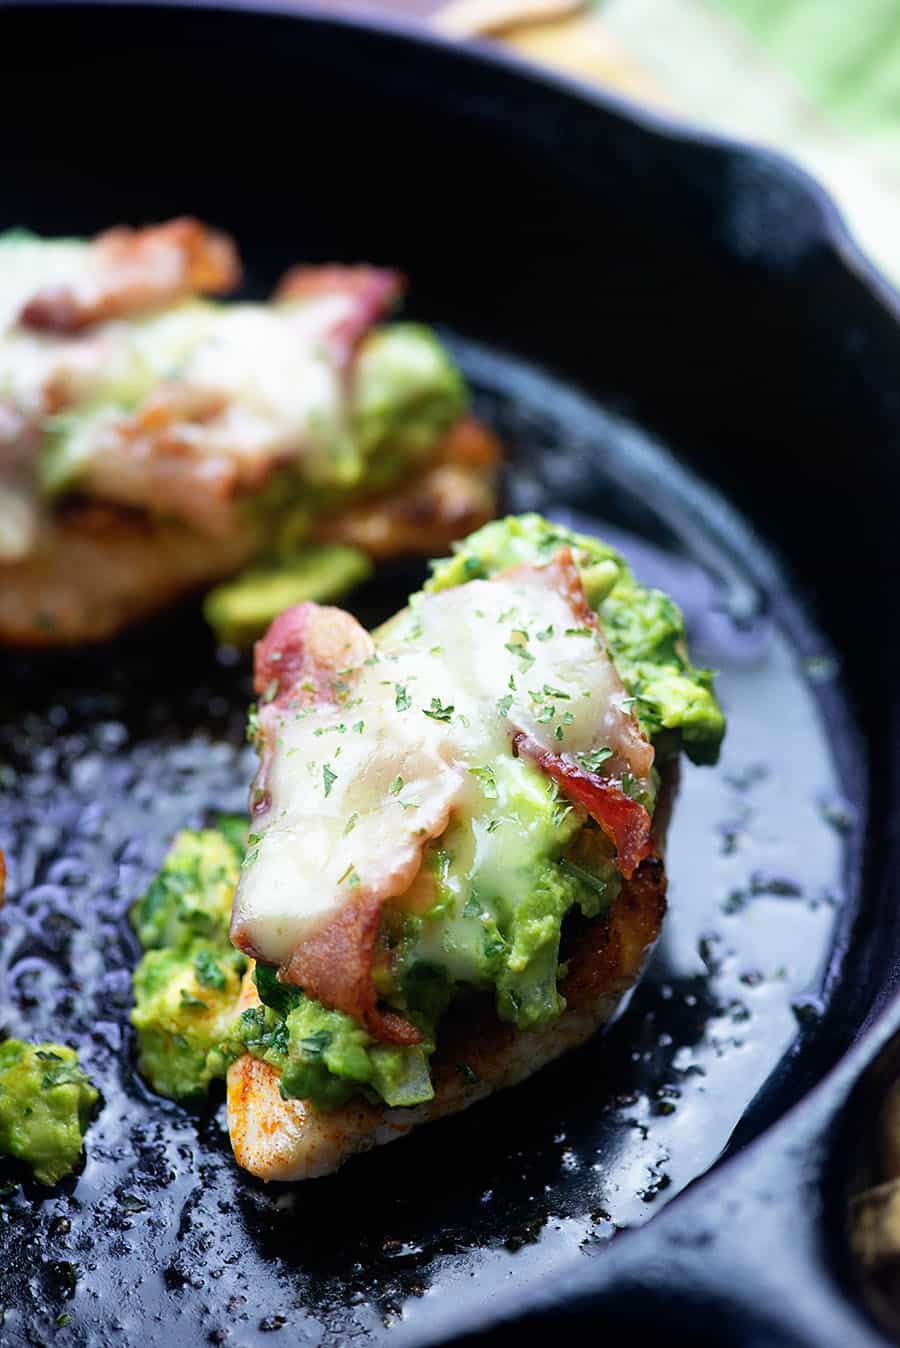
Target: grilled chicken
{"x": 278, "y": 1139}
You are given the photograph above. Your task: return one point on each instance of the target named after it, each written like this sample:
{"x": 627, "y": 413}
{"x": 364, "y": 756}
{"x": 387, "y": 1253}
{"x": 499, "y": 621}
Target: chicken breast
{"x": 98, "y": 568}
{"x": 287, "y": 1140}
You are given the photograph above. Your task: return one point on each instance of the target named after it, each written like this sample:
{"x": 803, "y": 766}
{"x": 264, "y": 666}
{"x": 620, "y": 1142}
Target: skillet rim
{"x": 680, "y": 129}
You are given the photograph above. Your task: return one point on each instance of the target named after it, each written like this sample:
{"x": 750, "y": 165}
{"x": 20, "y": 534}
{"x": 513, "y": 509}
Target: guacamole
{"x": 242, "y": 608}
{"x": 46, "y": 1103}
{"x": 191, "y": 896}
{"x": 325, "y": 1055}
{"x": 186, "y": 985}
{"x": 185, "y": 999}
{"x": 501, "y": 879}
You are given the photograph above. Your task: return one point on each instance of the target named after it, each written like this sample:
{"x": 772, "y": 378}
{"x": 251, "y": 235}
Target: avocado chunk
{"x": 185, "y": 1008}
{"x": 325, "y": 1056}
{"x": 240, "y": 610}
{"x": 187, "y": 985}
{"x": 675, "y": 702}
{"x": 46, "y": 1103}
{"x": 191, "y": 896}
{"x": 503, "y": 887}
{"x": 407, "y": 393}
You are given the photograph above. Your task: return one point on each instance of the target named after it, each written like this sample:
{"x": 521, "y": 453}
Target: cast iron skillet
{"x": 598, "y": 270}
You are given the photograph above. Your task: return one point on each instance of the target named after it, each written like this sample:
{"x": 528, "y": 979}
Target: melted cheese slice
{"x": 29, "y": 264}
{"x": 273, "y": 370}
{"x": 218, "y": 397}
{"x": 356, "y": 790}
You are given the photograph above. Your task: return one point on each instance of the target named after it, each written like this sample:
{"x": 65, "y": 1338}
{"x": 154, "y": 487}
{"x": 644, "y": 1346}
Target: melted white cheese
{"x": 29, "y": 264}
{"x": 280, "y": 382}
{"x": 456, "y": 678}
{"x": 251, "y": 383}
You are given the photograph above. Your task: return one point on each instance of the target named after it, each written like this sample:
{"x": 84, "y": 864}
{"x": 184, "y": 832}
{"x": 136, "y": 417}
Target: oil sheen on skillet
{"x": 162, "y": 1240}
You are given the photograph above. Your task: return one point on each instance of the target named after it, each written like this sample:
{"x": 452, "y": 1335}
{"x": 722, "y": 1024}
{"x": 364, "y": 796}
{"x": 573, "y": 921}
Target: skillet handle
{"x": 749, "y": 1255}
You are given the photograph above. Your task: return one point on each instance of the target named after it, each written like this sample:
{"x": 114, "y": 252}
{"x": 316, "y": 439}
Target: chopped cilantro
{"x": 329, "y": 777}
{"x": 351, "y": 823}
{"x": 594, "y": 761}
{"x": 188, "y": 1000}
{"x": 488, "y": 782}
{"x": 208, "y": 970}
{"x": 586, "y": 877}
{"x": 402, "y": 700}
{"x": 437, "y": 712}
{"x": 396, "y": 786}
{"x": 504, "y": 704}
{"x": 314, "y": 1045}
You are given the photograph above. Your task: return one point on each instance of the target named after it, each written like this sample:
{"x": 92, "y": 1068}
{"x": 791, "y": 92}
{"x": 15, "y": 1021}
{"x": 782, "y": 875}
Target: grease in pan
{"x": 454, "y": 867}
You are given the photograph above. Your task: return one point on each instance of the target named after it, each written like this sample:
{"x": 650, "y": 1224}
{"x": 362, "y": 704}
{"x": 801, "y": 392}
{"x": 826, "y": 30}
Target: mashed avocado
{"x": 504, "y": 876}
{"x": 192, "y": 894}
{"x": 46, "y": 1102}
{"x": 504, "y": 886}
{"x": 675, "y": 702}
{"x": 185, "y": 1000}
{"x": 325, "y": 1056}
{"x": 407, "y": 393}
{"x": 187, "y": 984}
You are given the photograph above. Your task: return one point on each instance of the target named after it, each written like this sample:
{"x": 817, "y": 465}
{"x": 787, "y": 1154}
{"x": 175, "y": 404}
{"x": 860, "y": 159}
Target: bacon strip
{"x": 374, "y": 292}
{"x": 299, "y": 659}
{"x": 135, "y": 270}
{"x": 303, "y": 650}
{"x": 565, "y": 577}
{"x": 624, "y": 821}
{"x": 295, "y": 664}
{"x": 335, "y": 967}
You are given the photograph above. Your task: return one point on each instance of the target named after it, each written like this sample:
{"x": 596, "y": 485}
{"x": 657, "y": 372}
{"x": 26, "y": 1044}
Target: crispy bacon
{"x": 335, "y": 967}
{"x": 624, "y": 821}
{"x": 295, "y": 664}
{"x": 564, "y": 575}
{"x": 136, "y": 270}
{"x": 302, "y": 651}
{"x": 299, "y": 659}
{"x": 374, "y": 292}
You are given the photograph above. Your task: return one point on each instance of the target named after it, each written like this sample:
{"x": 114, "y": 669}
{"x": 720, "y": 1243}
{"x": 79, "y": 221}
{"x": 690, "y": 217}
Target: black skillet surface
{"x": 704, "y": 292}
